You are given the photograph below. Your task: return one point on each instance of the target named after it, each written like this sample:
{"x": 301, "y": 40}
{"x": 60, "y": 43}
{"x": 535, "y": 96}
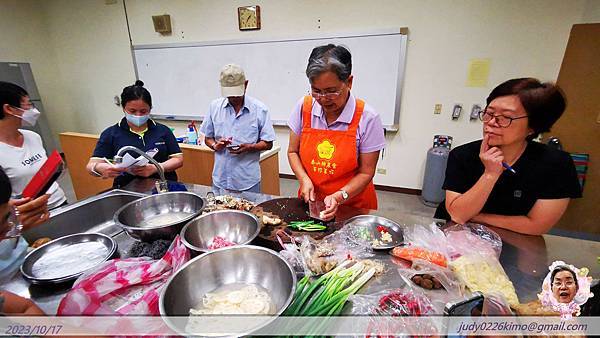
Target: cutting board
{"x": 289, "y": 210}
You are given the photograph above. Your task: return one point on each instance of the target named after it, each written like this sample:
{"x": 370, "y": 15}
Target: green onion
{"x": 335, "y": 304}
{"x": 300, "y": 299}
{"x": 307, "y": 226}
{"x": 328, "y": 294}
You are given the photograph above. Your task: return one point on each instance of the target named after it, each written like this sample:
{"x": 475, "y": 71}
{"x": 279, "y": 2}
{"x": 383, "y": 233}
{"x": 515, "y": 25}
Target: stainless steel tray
{"x": 369, "y": 224}
{"x": 66, "y": 258}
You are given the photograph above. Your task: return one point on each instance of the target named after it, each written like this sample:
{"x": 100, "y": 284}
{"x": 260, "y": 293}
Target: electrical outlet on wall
{"x": 475, "y": 112}
{"x": 381, "y": 171}
{"x": 437, "y": 109}
{"x": 456, "y": 111}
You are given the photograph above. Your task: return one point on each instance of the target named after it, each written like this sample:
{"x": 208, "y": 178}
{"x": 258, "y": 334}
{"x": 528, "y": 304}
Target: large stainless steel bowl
{"x": 237, "y": 264}
{"x": 159, "y": 216}
{"x": 236, "y": 226}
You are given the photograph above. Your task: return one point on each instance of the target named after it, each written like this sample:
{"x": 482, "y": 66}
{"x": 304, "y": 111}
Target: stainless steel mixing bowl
{"x": 236, "y": 226}
{"x": 232, "y": 265}
{"x": 159, "y": 216}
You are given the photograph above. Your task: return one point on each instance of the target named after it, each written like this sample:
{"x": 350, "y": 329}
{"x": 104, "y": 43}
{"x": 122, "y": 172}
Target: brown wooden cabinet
{"x": 579, "y": 128}
{"x": 197, "y": 166}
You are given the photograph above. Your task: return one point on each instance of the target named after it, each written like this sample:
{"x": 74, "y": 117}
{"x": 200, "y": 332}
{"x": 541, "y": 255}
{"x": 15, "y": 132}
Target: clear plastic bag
{"x": 429, "y": 237}
{"x": 451, "y": 289}
{"x": 322, "y": 256}
{"x": 291, "y": 252}
{"x": 348, "y": 245}
{"x": 392, "y": 302}
{"x": 484, "y": 274}
{"x": 412, "y": 253}
{"x": 425, "y": 242}
{"x": 394, "y": 310}
{"x": 318, "y": 257}
{"x": 472, "y": 237}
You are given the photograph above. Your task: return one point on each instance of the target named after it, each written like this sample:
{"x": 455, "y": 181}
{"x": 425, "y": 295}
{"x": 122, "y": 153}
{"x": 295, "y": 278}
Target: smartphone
{"x": 471, "y": 307}
{"x": 233, "y": 147}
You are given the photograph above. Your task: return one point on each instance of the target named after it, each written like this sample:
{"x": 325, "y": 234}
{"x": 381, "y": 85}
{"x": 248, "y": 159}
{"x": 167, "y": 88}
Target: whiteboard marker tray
{"x": 66, "y": 258}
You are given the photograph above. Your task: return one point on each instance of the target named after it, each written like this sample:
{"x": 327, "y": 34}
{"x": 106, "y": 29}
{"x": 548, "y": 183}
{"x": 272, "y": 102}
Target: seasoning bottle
{"x": 192, "y": 133}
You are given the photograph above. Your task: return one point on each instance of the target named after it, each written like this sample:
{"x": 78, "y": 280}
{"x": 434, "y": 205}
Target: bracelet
{"x": 94, "y": 172}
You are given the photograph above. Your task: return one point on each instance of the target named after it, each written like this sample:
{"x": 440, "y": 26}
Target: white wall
{"x": 24, "y": 39}
{"x": 591, "y": 12}
{"x": 80, "y": 57}
{"x": 92, "y": 59}
{"x": 521, "y": 38}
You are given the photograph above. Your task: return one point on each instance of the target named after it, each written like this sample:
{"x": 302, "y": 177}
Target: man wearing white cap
{"x": 238, "y": 127}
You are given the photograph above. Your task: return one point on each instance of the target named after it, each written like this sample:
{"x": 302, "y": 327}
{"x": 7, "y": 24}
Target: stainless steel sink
{"x": 94, "y": 214}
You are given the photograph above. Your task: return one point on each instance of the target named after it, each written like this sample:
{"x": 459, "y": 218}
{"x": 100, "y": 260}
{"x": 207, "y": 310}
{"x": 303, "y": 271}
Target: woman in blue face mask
{"x": 22, "y": 151}
{"x": 11, "y": 255}
{"x": 138, "y": 130}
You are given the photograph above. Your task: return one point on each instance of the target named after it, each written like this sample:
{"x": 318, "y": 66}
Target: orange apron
{"x": 330, "y": 157}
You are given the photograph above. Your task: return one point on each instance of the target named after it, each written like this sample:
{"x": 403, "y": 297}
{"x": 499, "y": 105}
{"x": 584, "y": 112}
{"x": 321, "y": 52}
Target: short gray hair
{"x": 332, "y": 58}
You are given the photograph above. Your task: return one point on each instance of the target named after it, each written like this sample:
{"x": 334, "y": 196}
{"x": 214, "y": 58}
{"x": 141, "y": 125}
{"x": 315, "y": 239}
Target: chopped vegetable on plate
{"x": 307, "y": 226}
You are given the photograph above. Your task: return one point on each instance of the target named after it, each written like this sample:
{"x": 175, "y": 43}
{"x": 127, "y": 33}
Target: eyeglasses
{"x": 329, "y": 95}
{"x": 503, "y": 121}
{"x": 568, "y": 283}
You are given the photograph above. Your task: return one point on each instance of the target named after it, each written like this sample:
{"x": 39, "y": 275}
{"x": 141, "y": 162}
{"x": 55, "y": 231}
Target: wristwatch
{"x": 344, "y": 195}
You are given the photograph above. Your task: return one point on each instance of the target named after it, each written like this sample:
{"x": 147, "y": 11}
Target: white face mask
{"x": 29, "y": 117}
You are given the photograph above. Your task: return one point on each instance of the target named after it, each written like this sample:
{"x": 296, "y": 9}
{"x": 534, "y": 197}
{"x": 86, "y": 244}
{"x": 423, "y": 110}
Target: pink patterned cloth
{"x": 129, "y": 286}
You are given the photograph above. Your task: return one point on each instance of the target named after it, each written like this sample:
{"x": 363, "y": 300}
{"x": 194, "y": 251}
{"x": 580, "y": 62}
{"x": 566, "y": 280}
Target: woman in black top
{"x": 138, "y": 130}
{"x": 529, "y": 200}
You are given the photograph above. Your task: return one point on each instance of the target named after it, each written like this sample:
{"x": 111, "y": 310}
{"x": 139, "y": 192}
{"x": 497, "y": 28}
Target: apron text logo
{"x": 326, "y": 149}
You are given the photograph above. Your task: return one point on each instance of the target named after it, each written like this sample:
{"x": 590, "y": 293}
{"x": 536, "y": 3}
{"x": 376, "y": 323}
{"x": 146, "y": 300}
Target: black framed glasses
{"x": 502, "y": 120}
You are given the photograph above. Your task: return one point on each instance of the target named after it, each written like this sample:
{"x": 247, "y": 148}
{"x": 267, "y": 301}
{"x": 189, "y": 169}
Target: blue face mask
{"x": 137, "y": 120}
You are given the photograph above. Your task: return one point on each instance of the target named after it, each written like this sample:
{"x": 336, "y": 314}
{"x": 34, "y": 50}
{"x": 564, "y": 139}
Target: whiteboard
{"x": 184, "y": 78}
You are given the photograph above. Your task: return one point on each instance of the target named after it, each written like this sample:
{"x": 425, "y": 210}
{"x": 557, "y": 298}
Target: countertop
{"x": 524, "y": 258}
{"x": 263, "y": 154}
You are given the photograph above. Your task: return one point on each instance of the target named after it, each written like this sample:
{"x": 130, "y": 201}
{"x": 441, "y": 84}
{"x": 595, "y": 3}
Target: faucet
{"x": 161, "y": 185}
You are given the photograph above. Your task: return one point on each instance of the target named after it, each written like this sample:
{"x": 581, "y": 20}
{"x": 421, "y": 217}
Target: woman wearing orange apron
{"x": 335, "y": 138}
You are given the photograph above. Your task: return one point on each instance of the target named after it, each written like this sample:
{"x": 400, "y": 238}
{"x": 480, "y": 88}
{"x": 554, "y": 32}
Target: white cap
{"x": 233, "y": 80}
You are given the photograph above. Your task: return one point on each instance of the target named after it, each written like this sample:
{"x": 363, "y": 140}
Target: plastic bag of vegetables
{"x": 393, "y": 310}
{"x": 484, "y": 274}
{"x": 428, "y": 237}
{"x": 439, "y": 284}
{"x": 412, "y": 253}
{"x": 426, "y": 242}
{"x": 291, "y": 252}
{"x": 322, "y": 256}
